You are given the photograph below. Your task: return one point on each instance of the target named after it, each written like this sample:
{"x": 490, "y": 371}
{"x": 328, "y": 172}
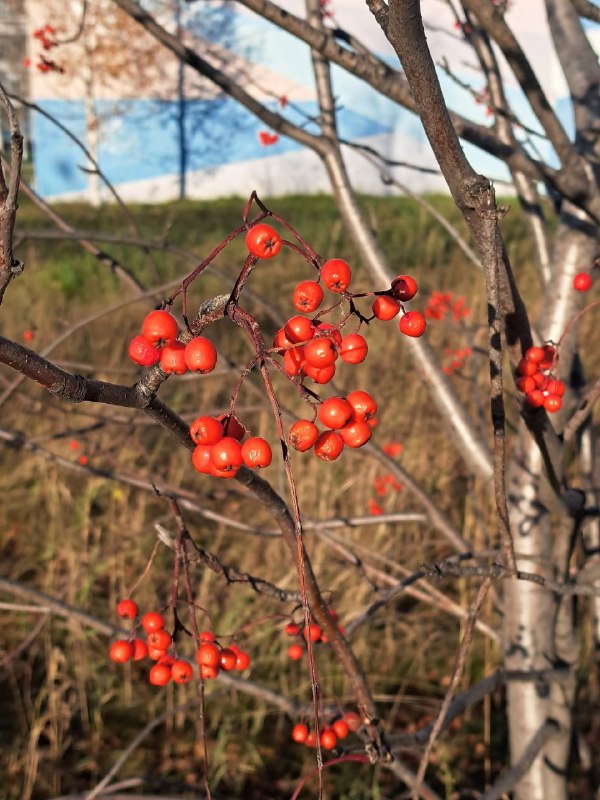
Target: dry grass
{"x": 66, "y": 711}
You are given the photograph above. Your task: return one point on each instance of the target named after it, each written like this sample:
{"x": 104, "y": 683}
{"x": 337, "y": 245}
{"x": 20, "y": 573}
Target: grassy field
{"x": 84, "y": 538}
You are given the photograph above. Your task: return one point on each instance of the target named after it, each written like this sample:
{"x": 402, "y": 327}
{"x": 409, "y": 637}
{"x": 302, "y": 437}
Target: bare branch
{"x": 9, "y": 266}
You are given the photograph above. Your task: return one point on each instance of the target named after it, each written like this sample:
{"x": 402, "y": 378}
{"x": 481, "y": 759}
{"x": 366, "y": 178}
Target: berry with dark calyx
{"x": 209, "y": 673}
{"x": 336, "y": 275}
{"x": 385, "y": 307}
{"x": 328, "y": 739}
{"x": 160, "y": 328}
{"x": 363, "y": 405}
{"x": 356, "y": 433}
{"x": 153, "y": 621}
{"x": 181, "y": 672}
{"x": 353, "y": 349}
{"x": 320, "y": 352}
{"x": 226, "y": 455}
{"x": 582, "y": 282}
{"x": 121, "y": 651}
{"x": 412, "y": 324}
{"x": 303, "y": 434}
{"x": 143, "y": 353}
{"x": 160, "y": 639}
{"x": 308, "y": 296}
{"x": 160, "y": 675}
{"x": 295, "y": 652}
{"x": 256, "y": 452}
{"x": 200, "y": 355}
{"x": 263, "y": 241}
{"x": 127, "y": 609}
{"x": 404, "y": 287}
{"x": 299, "y": 329}
{"x": 172, "y": 359}
{"x": 299, "y": 733}
{"x": 206, "y": 430}
{"x": 340, "y": 728}
{"x": 335, "y": 412}
{"x": 328, "y": 446}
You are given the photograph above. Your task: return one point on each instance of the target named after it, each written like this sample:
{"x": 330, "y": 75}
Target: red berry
{"x": 355, "y": 434}
{"x": 206, "y": 430}
{"x": 555, "y": 387}
{"x": 308, "y": 296}
{"x": 207, "y": 636}
{"x": 160, "y": 328}
{"x": 331, "y": 330}
{"x": 209, "y": 673}
{"x": 172, "y": 359}
{"x": 291, "y": 629}
{"x": 385, "y": 307}
{"x": 353, "y": 349}
{"x": 153, "y": 621}
{"x": 242, "y": 661}
{"x": 160, "y": 675}
{"x": 226, "y": 455}
{"x": 209, "y": 654}
{"x": 363, "y": 405}
{"x": 353, "y": 721}
{"x": 320, "y": 352}
{"x": 552, "y": 403}
{"x": 128, "y": 609}
{"x": 336, "y": 275}
{"x": 295, "y": 652}
{"x": 535, "y": 398}
{"x": 201, "y": 458}
{"x": 412, "y": 324}
{"x": 303, "y": 434}
{"x": 160, "y": 639}
{"x": 328, "y": 739}
{"x": 329, "y": 445}
{"x": 299, "y": 329}
{"x": 299, "y": 733}
{"x": 311, "y": 739}
{"x": 293, "y": 361}
{"x": 121, "y": 651}
{"x": 321, "y": 375}
{"x": 256, "y": 452}
{"x": 404, "y": 287}
{"x": 582, "y": 282}
{"x": 232, "y": 426}
{"x": 263, "y": 241}
{"x": 535, "y": 354}
{"x": 181, "y": 672}
{"x": 142, "y": 352}
{"x": 156, "y": 653}
{"x": 228, "y": 659}
{"x": 280, "y": 341}
{"x": 200, "y": 355}
{"x": 526, "y": 367}
{"x": 525, "y": 384}
{"x": 313, "y": 632}
{"x": 335, "y": 412}
{"x": 340, "y": 728}
{"x": 140, "y": 649}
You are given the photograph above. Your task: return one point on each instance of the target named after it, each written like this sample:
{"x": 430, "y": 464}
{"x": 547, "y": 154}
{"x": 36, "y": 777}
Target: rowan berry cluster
{"x": 159, "y": 646}
{"x": 537, "y": 382}
{"x": 158, "y": 343}
{"x": 220, "y": 450}
{"x": 304, "y": 633}
{"x": 337, "y": 729}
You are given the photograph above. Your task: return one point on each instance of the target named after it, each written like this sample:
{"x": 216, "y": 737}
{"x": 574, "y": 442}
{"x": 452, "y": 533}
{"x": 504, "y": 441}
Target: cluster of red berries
{"x": 158, "y": 343}
{"x": 457, "y": 358}
{"x": 536, "y": 381}
{"x": 159, "y": 646}
{"x": 46, "y": 37}
{"x": 303, "y": 633}
{"x": 349, "y": 421}
{"x": 220, "y": 447}
{"x": 329, "y": 735}
{"x": 442, "y": 304}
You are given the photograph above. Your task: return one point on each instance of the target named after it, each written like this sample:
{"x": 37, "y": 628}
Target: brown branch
{"x": 198, "y": 555}
{"x": 9, "y": 266}
{"x": 587, "y": 9}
